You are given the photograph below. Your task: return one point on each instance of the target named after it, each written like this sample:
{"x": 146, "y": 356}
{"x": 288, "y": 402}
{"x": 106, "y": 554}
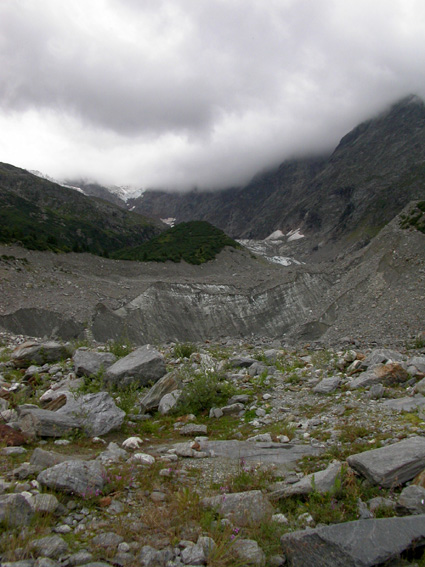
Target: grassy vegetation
{"x": 415, "y": 218}
{"x": 195, "y": 242}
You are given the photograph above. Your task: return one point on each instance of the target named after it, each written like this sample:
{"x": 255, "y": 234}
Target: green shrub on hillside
{"x": 195, "y": 242}
{"x": 415, "y": 218}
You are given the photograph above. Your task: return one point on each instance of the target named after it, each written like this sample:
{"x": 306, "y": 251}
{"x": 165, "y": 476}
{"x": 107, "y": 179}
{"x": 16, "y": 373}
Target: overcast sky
{"x": 184, "y": 93}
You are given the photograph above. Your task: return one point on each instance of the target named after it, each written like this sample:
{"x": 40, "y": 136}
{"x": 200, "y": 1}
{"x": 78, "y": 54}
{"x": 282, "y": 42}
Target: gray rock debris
{"x": 391, "y": 465}
{"x": 407, "y": 403}
{"x": 142, "y": 366}
{"x": 88, "y": 362}
{"x": 242, "y": 508}
{"x": 362, "y": 543}
{"x": 75, "y": 477}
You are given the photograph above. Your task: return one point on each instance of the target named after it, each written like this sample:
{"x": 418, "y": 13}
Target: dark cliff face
{"x": 346, "y": 197}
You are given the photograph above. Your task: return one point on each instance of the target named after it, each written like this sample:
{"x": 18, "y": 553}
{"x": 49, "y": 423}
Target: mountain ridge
{"x": 339, "y": 201}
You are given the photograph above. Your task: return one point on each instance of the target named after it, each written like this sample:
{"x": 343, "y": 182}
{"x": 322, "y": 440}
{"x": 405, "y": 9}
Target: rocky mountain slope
{"x": 375, "y": 294}
{"x": 338, "y": 202}
{"x": 43, "y": 215}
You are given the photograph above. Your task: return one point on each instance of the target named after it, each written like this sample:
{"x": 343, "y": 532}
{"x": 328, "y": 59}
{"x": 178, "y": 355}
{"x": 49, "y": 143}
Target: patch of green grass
{"x": 204, "y": 391}
{"x": 120, "y": 348}
{"x": 184, "y": 350}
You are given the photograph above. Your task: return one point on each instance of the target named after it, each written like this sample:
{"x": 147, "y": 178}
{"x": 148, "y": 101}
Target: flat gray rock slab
{"x": 392, "y": 465}
{"x": 273, "y": 453}
{"x": 407, "y": 403}
{"x": 362, "y": 543}
{"x": 143, "y": 366}
{"x": 96, "y": 414}
{"x": 321, "y": 481}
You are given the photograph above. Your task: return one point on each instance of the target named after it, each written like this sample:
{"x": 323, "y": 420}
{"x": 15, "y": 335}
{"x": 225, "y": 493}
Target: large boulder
{"x": 165, "y": 385}
{"x": 391, "y": 465}
{"x": 389, "y": 374}
{"x": 362, "y": 543}
{"x": 96, "y": 414}
{"x": 88, "y": 362}
{"x": 36, "y": 422}
{"x": 32, "y": 352}
{"x": 86, "y": 479}
{"x": 242, "y": 508}
{"x": 142, "y": 367}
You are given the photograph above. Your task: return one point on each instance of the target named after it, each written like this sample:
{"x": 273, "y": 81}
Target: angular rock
{"x": 75, "y": 477}
{"x": 321, "y": 481}
{"x": 11, "y": 437}
{"x": 381, "y": 356}
{"x": 15, "y": 510}
{"x": 151, "y": 557}
{"x": 420, "y": 386}
{"x": 44, "y": 423}
{"x": 389, "y": 374}
{"x": 50, "y": 546}
{"x": 96, "y": 414}
{"x": 412, "y": 500}
{"x": 248, "y": 551}
{"x": 327, "y": 385}
{"x": 143, "y": 366}
{"x": 194, "y": 555}
{"x": 241, "y": 361}
{"x": 362, "y": 543}
{"x": 193, "y": 429}
{"x": 418, "y": 362}
{"x": 107, "y": 540}
{"x": 391, "y": 465}
{"x": 167, "y": 384}
{"x": 168, "y": 402}
{"x": 242, "y": 508}
{"x": 232, "y": 409}
{"x": 89, "y": 362}
{"x": 32, "y": 352}
{"x": 46, "y": 503}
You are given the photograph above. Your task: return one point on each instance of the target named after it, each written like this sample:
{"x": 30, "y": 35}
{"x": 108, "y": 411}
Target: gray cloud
{"x": 177, "y": 93}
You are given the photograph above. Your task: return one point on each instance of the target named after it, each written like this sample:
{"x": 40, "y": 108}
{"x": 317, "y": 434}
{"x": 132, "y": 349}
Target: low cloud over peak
{"x": 181, "y": 93}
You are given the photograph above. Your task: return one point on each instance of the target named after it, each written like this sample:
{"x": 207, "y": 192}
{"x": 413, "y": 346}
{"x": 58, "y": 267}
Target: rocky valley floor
{"x": 231, "y": 452}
